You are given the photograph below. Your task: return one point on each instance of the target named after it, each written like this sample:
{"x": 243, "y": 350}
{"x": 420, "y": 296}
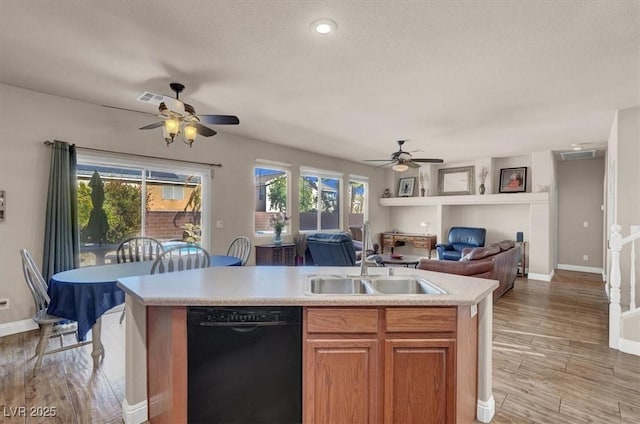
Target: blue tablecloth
{"x": 84, "y": 294}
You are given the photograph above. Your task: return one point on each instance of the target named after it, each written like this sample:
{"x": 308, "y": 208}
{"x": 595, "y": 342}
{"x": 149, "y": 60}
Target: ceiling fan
{"x": 179, "y": 117}
{"x": 402, "y": 160}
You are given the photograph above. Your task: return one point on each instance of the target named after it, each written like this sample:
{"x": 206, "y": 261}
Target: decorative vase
{"x": 422, "y": 192}
{"x": 277, "y": 239}
{"x": 481, "y": 188}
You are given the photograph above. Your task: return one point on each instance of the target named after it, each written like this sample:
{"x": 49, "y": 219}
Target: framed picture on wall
{"x": 513, "y": 180}
{"x": 405, "y": 186}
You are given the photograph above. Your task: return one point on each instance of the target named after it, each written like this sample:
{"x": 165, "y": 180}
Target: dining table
{"x": 84, "y": 294}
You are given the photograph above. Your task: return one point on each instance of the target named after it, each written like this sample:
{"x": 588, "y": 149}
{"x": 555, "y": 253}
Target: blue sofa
{"x": 460, "y": 238}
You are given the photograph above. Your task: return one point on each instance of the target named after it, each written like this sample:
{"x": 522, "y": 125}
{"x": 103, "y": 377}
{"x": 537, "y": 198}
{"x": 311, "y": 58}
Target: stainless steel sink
{"x": 337, "y": 285}
{"x": 355, "y": 285}
{"x": 403, "y": 285}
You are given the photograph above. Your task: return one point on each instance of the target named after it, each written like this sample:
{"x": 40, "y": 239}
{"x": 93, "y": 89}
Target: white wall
{"x": 624, "y": 160}
{"x": 29, "y": 118}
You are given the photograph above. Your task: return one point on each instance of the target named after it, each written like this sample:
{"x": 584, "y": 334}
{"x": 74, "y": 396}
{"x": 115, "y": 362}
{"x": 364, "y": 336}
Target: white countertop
{"x": 283, "y": 285}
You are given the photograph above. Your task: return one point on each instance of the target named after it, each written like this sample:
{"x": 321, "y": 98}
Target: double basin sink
{"x": 371, "y": 285}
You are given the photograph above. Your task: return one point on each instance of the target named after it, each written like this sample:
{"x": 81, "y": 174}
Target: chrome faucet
{"x": 365, "y": 245}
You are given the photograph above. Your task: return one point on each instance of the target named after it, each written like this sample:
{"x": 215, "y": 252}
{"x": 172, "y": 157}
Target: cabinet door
{"x": 340, "y": 381}
{"x": 419, "y": 381}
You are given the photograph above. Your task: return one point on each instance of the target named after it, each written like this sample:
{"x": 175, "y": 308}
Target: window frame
{"x": 277, "y": 166}
{"x": 320, "y": 174}
{"x": 166, "y": 165}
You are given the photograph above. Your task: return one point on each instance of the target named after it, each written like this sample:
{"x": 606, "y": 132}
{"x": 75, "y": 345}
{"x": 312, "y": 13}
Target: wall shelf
{"x": 473, "y": 199}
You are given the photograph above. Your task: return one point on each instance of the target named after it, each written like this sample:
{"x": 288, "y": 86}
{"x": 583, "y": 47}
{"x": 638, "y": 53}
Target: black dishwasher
{"x": 245, "y": 365}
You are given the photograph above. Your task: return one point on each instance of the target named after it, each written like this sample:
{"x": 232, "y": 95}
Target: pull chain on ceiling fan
{"x": 401, "y": 160}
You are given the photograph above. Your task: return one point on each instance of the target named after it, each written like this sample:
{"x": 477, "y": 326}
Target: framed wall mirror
{"x": 456, "y": 181}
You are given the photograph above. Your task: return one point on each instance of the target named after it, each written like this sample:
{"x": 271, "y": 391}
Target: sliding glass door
{"x": 118, "y": 200}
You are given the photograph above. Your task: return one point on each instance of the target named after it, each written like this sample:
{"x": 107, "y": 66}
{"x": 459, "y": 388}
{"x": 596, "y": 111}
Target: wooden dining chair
{"x": 50, "y": 325}
{"x": 240, "y": 247}
{"x": 138, "y": 249}
{"x": 181, "y": 258}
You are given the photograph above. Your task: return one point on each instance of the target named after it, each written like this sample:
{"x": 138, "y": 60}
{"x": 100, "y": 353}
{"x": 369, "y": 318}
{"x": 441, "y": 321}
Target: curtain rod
{"x": 91, "y": 149}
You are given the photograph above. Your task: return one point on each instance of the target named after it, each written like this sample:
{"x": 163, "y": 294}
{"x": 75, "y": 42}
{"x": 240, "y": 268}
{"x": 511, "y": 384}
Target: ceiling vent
{"x": 151, "y": 98}
{"x": 582, "y": 154}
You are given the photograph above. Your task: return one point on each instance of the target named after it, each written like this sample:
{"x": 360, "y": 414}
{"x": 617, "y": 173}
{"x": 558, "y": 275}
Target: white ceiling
{"x": 460, "y": 80}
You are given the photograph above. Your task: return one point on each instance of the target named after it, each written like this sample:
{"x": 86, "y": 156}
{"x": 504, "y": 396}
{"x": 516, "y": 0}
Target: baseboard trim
{"x": 540, "y": 277}
{"x": 589, "y": 269}
{"x": 629, "y": 346}
{"x": 486, "y": 410}
{"x": 15, "y": 327}
{"x": 134, "y": 414}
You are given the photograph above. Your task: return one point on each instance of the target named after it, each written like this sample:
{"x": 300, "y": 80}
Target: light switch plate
{"x": 219, "y": 223}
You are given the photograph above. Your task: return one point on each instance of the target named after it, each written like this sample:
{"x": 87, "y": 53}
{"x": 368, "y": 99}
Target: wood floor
{"x": 551, "y": 361}
{"x": 551, "y": 364}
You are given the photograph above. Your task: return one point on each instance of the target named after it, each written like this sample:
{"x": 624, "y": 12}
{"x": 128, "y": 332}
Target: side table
{"x": 273, "y": 254}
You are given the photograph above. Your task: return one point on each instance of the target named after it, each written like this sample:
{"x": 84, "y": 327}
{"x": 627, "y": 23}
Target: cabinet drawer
{"x": 420, "y": 319}
{"x": 342, "y": 320}
{"x": 422, "y": 244}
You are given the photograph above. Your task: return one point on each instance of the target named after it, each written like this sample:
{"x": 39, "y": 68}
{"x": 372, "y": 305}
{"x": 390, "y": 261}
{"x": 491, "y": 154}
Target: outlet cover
{"x": 219, "y": 223}
{"x": 585, "y": 257}
{"x": 585, "y": 224}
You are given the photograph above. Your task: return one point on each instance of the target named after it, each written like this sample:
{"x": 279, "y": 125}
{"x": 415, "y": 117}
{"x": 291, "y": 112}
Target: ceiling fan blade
{"x": 205, "y": 131}
{"x": 376, "y": 160}
{"x": 428, "y": 160}
{"x": 129, "y": 110}
{"x": 411, "y": 164}
{"x": 152, "y": 126}
{"x": 219, "y": 119}
{"x": 386, "y": 164}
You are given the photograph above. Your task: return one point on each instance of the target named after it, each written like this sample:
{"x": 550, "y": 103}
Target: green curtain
{"x": 61, "y": 235}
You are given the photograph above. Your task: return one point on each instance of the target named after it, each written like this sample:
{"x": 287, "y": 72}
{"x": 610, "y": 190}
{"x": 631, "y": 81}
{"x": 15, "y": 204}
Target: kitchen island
{"x": 394, "y": 341}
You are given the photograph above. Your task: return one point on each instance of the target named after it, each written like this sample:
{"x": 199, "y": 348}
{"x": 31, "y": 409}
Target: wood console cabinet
{"x": 390, "y": 365}
{"x": 419, "y": 241}
{"x": 271, "y": 254}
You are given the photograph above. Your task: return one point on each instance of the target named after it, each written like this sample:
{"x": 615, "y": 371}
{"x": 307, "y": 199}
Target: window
{"x": 271, "y": 196}
{"x": 160, "y": 200}
{"x": 319, "y": 200}
{"x": 358, "y": 200}
{"x": 172, "y": 192}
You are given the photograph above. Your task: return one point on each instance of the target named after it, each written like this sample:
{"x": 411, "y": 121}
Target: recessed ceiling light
{"x": 324, "y": 26}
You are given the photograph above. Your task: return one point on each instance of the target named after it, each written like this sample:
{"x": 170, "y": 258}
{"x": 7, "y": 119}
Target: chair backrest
{"x": 460, "y": 237}
{"x": 138, "y": 249}
{"x": 240, "y": 247}
{"x": 331, "y": 249}
{"x": 356, "y": 233}
{"x": 35, "y": 281}
{"x": 181, "y": 258}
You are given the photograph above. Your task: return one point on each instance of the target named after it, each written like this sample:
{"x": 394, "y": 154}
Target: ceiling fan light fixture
{"x": 189, "y": 134}
{"x": 400, "y": 167}
{"x": 324, "y": 26}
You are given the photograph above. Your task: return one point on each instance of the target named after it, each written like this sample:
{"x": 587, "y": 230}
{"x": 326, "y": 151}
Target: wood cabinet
{"x": 341, "y": 372}
{"x": 389, "y": 364}
{"x": 272, "y": 254}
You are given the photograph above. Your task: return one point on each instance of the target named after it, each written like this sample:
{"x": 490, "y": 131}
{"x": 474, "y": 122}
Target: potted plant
{"x": 278, "y": 222}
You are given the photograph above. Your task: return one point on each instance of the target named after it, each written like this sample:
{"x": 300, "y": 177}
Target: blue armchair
{"x": 459, "y": 238}
{"x": 331, "y": 249}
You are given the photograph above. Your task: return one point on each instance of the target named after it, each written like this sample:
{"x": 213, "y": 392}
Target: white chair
{"x": 47, "y": 323}
{"x": 138, "y": 249}
{"x": 181, "y": 258}
{"x": 240, "y": 247}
